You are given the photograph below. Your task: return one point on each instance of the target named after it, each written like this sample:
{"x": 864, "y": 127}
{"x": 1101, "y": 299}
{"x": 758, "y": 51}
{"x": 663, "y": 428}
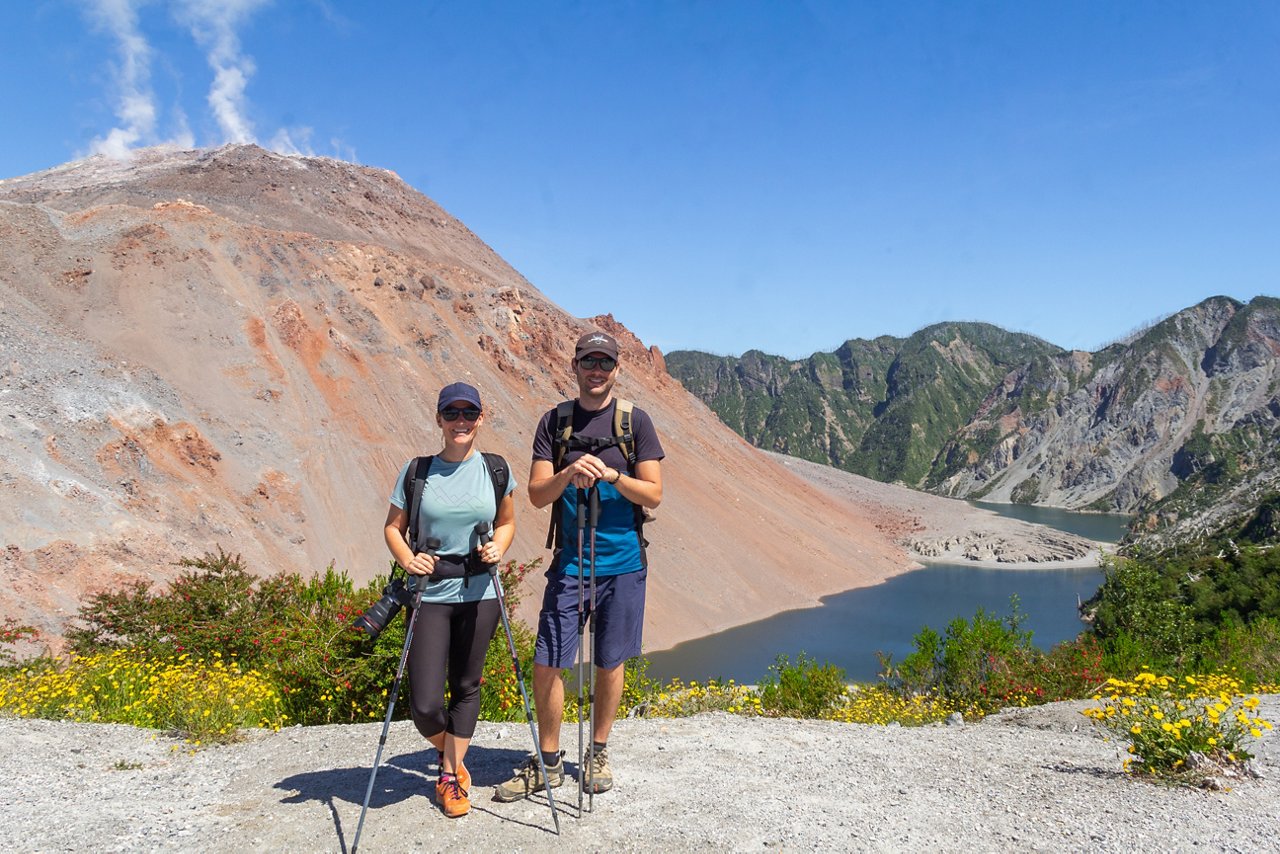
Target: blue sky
{"x": 735, "y": 175}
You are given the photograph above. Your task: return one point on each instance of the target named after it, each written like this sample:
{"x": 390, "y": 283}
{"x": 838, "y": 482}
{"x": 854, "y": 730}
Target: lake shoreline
{"x": 961, "y": 538}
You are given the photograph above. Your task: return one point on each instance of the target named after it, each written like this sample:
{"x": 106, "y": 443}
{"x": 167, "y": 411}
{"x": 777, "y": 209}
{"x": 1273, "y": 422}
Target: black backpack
{"x": 563, "y": 441}
{"x": 415, "y": 479}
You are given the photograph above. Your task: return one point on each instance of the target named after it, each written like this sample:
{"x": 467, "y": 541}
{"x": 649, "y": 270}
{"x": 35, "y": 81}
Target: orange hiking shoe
{"x": 464, "y": 776}
{"x": 451, "y": 796}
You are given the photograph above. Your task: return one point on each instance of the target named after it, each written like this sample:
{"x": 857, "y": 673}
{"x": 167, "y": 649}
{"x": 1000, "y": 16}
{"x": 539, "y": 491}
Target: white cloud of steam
{"x": 213, "y": 23}
{"x": 295, "y": 141}
{"x": 136, "y": 108}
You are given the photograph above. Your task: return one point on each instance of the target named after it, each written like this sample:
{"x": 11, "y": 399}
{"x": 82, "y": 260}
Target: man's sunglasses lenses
{"x": 452, "y": 414}
{"x": 604, "y": 363}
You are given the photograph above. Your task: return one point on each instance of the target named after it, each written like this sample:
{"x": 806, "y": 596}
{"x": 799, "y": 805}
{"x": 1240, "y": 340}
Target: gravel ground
{"x": 1028, "y": 780}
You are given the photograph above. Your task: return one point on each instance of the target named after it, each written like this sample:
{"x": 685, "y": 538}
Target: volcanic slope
{"x": 233, "y": 348}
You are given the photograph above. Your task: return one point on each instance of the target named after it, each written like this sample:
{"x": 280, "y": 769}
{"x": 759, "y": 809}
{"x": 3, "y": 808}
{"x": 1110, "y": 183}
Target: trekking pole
{"x": 485, "y": 530}
{"x": 593, "y": 518}
{"x": 432, "y": 544}
{"x": 582, "y": 523}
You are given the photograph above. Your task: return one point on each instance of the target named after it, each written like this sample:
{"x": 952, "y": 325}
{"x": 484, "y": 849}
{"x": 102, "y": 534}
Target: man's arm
{"x": 643, "y": 488}
{"x": 546, "y": 484}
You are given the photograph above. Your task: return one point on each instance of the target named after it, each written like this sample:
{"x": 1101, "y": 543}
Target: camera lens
{"x": 382, "y": 612}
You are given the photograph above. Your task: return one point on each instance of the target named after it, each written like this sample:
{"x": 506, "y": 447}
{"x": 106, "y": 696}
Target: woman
{"x": 459, "y": 612}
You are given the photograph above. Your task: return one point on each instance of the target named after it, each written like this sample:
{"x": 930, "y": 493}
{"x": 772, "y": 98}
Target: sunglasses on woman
{"x": 604, "y": 363}
{"x": 451, "y": 413}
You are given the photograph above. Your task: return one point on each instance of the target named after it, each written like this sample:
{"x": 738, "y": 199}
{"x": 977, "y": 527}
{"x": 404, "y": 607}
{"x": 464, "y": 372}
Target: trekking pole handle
{"x": 593, "y": 507}
{"x": 582, "y": 509}
{"x": 484, "y": 530}
{"x": 431, "y": 545}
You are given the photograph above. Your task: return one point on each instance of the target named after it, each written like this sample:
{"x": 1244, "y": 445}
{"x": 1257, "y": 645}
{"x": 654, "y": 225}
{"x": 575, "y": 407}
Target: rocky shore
{"x": 932, "y": 528}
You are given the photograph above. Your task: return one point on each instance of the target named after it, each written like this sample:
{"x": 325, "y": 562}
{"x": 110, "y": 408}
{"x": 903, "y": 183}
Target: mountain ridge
{"x": 1122, "y": 429}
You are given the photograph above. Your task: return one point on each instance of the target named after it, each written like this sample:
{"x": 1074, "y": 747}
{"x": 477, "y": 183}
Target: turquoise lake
{"x": 849, "y": 628}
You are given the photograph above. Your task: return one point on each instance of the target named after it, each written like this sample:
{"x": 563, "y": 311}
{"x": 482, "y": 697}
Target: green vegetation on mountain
{"x": 881, "y": 408}
{"x": 1178, "y": 424}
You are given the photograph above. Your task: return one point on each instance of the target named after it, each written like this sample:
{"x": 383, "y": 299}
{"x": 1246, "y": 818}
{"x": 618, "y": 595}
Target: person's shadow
{"x": 399, "y": 778}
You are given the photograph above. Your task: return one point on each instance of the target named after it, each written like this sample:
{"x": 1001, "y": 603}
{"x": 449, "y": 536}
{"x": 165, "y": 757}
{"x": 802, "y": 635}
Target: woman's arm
{"x": 393, "y": 532}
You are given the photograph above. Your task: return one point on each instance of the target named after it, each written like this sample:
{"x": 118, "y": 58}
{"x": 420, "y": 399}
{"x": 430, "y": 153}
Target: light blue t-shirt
{"x": 455, "y": 497}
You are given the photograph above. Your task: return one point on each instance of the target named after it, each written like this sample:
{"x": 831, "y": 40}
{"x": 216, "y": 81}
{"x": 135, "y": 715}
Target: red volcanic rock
{"x": 239, "y": 349}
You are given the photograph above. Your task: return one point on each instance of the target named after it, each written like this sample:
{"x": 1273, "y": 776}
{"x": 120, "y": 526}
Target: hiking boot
{"x": 451, "y": 797}
{"x": 599, "y": 777}
{"x": 528, "y": 779}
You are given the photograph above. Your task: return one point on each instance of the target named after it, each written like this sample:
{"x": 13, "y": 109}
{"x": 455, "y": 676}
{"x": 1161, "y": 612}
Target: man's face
{"x": 596, "y": 373}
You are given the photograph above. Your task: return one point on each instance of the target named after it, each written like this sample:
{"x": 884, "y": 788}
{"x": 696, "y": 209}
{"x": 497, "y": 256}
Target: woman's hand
{"x": 489, "y": 553}
{"x": 422, "y": 564}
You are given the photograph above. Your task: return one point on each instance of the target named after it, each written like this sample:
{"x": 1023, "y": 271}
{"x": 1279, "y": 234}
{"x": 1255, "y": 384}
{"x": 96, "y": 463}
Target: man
{"x": 591, "y": 458}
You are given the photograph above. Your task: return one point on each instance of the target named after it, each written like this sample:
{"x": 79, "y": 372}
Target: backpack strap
{"x": 622, "y": 430}
{"x": 500, "y": 474}
{"x": 560, "y": 435}
{"x": 415, "y": 479}
{"x": 627, "y": 444}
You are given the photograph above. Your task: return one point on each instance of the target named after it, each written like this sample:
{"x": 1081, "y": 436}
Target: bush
{"x": 12, "y": 636}
{"x": 637, "y": 691}
{"x": 295, "y": 631}
{"x": 981, "y": 664}
{"x": 204, "y": 700}
{"x": 805, "y": 689}
{"x": 678, "y": 700}
{"x": 500, "y": 698}
{"x": 1140, "y": 615}
{"x": 880, "y": 705}
{"x": 1181, "y": 730}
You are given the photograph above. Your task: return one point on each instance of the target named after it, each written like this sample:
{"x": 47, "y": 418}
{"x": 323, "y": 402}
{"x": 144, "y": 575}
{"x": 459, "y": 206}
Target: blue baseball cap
{"x": 458, "y": 391}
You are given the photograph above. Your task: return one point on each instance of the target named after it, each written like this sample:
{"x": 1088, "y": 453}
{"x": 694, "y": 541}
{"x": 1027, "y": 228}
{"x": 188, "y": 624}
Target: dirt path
{"x": 1038, "y": 779}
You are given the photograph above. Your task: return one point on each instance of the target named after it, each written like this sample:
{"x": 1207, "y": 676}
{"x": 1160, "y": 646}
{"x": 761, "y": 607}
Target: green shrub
{"x": 984, "y": 664}
{"x": 805, "y": 689}
{"x": 1252, "y": 650}
{"x": 295, "y": 631}
{"x": 637, "y": 690}
{"x": 1140, "y": 615}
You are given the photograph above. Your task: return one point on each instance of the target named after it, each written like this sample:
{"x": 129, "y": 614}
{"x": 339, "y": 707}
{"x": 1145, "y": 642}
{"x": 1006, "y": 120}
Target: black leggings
{"x": 457, "y": 635}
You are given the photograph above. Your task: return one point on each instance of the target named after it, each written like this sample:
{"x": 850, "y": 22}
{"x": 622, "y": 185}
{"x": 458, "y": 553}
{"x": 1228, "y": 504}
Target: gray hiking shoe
{"x": 599, "y": 776}
{"x": 528, "y": 779}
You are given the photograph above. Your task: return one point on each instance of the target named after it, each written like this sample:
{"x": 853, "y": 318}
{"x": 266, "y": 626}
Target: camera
{"x": 396, "y": 595}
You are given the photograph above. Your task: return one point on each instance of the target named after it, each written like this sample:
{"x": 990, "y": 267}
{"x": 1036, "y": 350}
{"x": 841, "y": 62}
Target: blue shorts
{"x": 617, "y": 624}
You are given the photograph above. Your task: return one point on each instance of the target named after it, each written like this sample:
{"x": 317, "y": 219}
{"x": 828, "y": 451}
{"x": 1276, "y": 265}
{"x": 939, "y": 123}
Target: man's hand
{"x": 586, "y": 470}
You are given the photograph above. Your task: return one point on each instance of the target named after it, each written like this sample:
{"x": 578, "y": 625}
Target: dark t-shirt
{"x": 617, "y": 547}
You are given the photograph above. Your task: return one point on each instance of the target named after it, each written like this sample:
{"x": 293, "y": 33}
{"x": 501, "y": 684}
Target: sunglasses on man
{"x": 451, "y": 413}
{"x": 604, "y": 363}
